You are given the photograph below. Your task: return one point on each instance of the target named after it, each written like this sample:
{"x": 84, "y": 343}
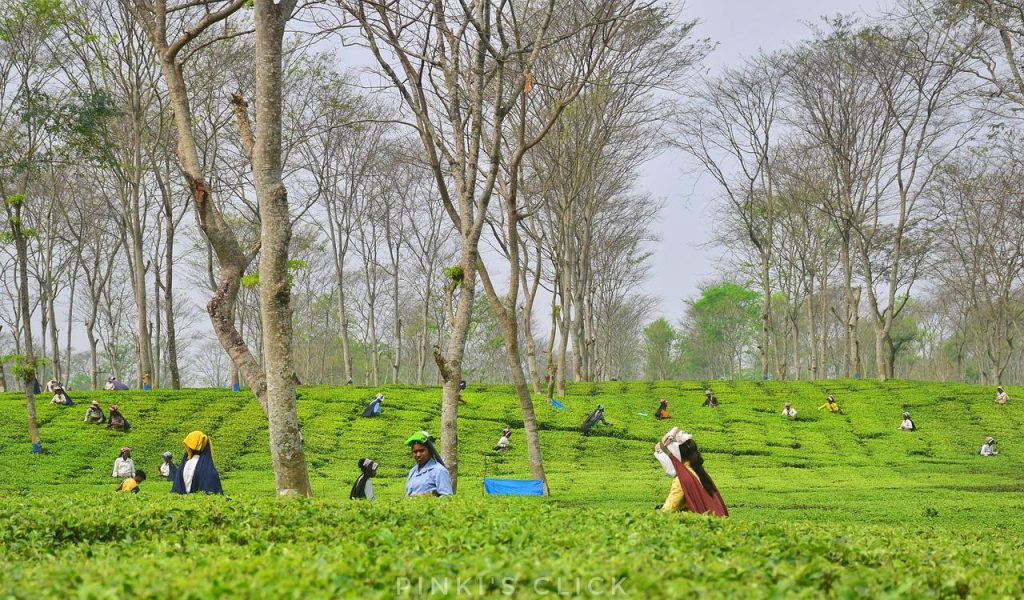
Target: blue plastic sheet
{"x": 556, "y": 403}
{"x": 514, "y": 487}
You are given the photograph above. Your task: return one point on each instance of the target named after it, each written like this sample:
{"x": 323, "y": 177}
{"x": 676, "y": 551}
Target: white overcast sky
{"x": 682, "y": 261}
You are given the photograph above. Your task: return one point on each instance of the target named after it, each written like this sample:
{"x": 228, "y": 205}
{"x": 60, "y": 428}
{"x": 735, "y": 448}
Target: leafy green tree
{"x": 719, "y": 329}
{"x": 659, "y": 339}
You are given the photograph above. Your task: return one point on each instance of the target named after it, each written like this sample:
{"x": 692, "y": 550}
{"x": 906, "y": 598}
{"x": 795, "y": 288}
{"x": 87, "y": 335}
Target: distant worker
{"x": 989, "y": 447}
{"x": 52, "y": 385}
{"x": 462, "y": 385}
{"x": 94, "y": 414}
{"x": 60, "y": 396}
{"x": 1001, "y": 397}
{"x": 429, "y": 476}
{"x": 373, "y": 408}
{"x": 709, "y": 399}
{"x": 363, "y": 487}
{"x": 692, "y": 487}
{"x": 196, "y": 472}
{"x": 114, "y": 383}
{"x": 831, "y": 405}
{"x": 124, "y": 466}
{"x": 788, "y": 410}
{"x": 132, "y": 483}
{"x": 908, "y": 423}
{"x": 662, "y": 412}
{"x": 502, "y": 444}
{"x": 594, "y": 418}
{"x": 167, "y": 468}
{"x": 117, "y": 422}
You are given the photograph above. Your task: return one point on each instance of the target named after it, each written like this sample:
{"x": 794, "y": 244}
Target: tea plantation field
{"x": 821, "y": 506}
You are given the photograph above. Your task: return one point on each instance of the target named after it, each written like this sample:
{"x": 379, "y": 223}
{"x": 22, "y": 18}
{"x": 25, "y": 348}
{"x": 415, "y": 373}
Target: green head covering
{"x": 420, "y": 436}
{"x": 424, "y": 438}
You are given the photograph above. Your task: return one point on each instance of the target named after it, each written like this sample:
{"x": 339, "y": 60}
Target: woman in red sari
{"x": 692, "y": 487}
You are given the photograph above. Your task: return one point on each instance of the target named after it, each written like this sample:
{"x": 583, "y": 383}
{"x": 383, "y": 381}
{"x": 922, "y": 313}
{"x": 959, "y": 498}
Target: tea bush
{"x": 822, "y": 505}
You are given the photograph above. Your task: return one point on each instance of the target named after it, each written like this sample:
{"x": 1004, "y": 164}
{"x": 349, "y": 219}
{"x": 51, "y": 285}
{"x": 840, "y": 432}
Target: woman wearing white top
{"x": 789, "y": 411}
{"x": 124, "y": 466}
{"x": 908, "y": 423}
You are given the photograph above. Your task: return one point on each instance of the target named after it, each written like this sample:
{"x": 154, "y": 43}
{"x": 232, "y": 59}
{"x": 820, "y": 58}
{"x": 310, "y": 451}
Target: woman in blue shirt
{"x": 429, "y": 477}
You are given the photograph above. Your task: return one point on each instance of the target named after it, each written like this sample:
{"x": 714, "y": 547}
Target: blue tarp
{"x": 514, "y": 487}
{"x": 556, "y": 403}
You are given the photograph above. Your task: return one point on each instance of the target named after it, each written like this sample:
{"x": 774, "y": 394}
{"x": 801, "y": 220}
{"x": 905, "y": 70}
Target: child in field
{"x": 988, "y": 448}
{"x": 132, "y": 483}
{"x": 709, "y": 399}
{"x": 662, "y": 412}
{"x": 94, "y": 414}
{"x": 831, "y": 405}
{"x": 908, "y": 423}
{"x": 502, "y": 444}
{"x": 788, "y": 410}
{"x": 692, "y": 487}
{"x": 363, "y": 487}
{"x": 1001, "y": 397}
{"x": 124, "y": 466}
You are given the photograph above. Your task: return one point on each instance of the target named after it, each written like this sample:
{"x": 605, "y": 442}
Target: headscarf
{"x": 506, "y": 432}
{"x": 424, "y": 438}
{"x": 369, "y": 469}
{"x": 125, "y": 449}
{"x": 205, "y": 478}
{"x": 990, "y": 440}
{"x": 195, "y": 443}
{"x": 167, "y": 455}
{"x": 95, "y": 404}
{"x": 113, "y": 408}
{"x": 906, "y": 415}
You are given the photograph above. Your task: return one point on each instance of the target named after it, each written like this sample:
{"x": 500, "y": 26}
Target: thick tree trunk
{"x": 289, "y": 459}
{"x": 233, "y": 260}
{"x": 450, "y": 365}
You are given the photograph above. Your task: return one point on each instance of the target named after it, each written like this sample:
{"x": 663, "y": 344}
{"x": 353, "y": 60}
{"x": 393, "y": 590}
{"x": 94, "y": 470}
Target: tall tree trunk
{"x": 766, "y": 312}
{"x": 346, "y": 349}
{"x": 16, "y": 223}
{"x": 450, "y": 365}
{"x": 530, "y": 293}
{"x": 138, "y": 268}
{"x": 289, "y": 459}
{"x": 172, "y": 334}
{"x": 852, "y": 312}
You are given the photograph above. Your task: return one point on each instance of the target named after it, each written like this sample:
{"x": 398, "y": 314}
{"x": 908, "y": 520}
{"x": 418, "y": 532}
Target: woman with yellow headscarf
{"x": 196, "y": 472}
